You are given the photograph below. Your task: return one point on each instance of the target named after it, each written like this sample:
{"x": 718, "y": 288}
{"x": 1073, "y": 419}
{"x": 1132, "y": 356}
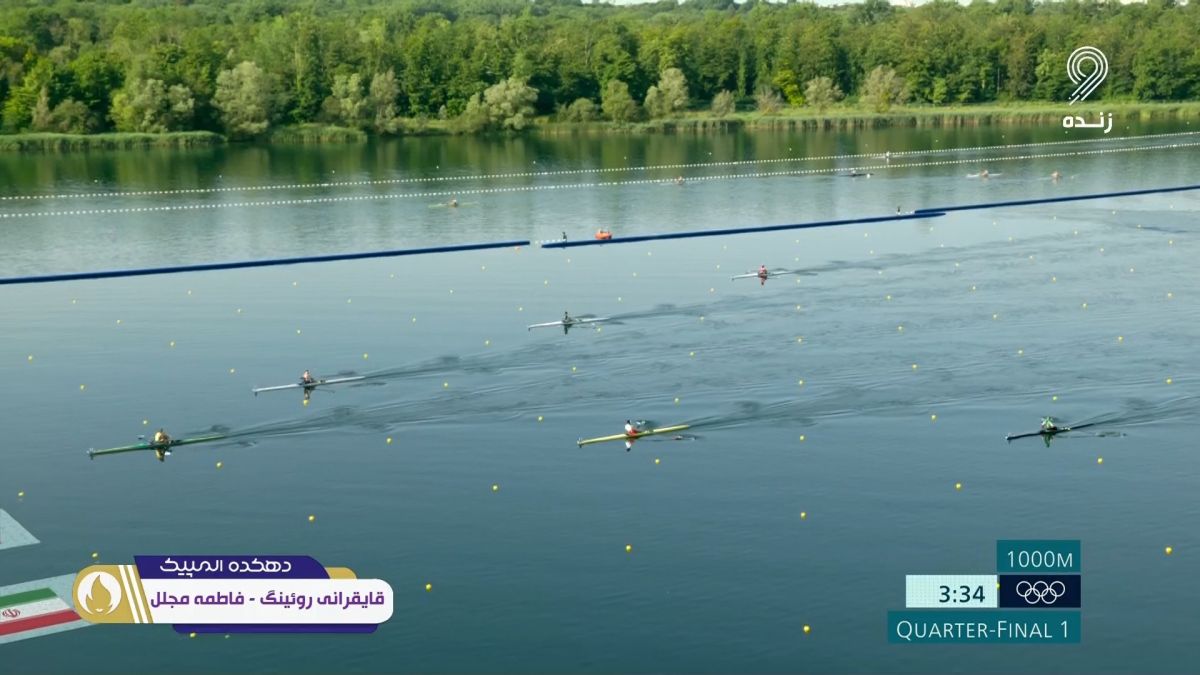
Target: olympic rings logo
{"x": 1040, "y": 591}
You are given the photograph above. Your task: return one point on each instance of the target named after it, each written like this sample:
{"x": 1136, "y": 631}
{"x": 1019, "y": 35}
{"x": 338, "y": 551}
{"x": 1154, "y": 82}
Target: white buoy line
{"x": 572, "y": 186}
{"x": 574, "y": 172}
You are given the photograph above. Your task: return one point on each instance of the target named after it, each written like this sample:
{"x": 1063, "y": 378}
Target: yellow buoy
{"x": 495, "y": 487}
{"x": 933, "y": 418}
{"x": 82, "y": 387}
{"x": 800, "y": 383}
{"x": 914, "y": 367}
{"x": 95, "y": 555}
{"x": 676, "y": 400}
{"x": 118, "y": 322}
{"x": 428, "y": 587}
{"x": 900, "y": 328}
{"x": 1168, "y": 550}
{"x": 803, "y": 515}
{"x": 802, "y": 437}
{"x": 629, "y": 548}
{"x": 239, "y": 310}
{"x": 1020, "y": 352}
{"x": 539, "y": 418}
{"x": 887, "y": 297}
{"x": 171, "y": 343}
{"x": 1054, "y": 398}
{"x": 232, "y": 371}
{"x": 21, "y": 494}
{"x": 958, "y": 486}
{"x": 1099, "y": 460}
{"x": 572, "y": 369}
{"x": 487, "y": 343}
{"x": 364, "y": 355}
{"x": 995, "y": 316}
{"x": 220, "y": 464}
{"x": 191, "y": 635}
{"x": 389, "y": 440}
{"x": 807, "y": 629}
{"x": 1170, "y": 295}
{"x": 145, "y": 422}
{"x": 304, "y": 403}
{"x": 656, "y": 460}
{"x": 1120, "y": 338}
{"x": 445, "y": 385}
{"x": 312, "y": 519}
{"x": 1168, "y": 380}
{"x": 30, "y": 358}
{"x": 1085, "y": 305}
{"x": 297, "y": 331}
{"x": 691, "y": 353}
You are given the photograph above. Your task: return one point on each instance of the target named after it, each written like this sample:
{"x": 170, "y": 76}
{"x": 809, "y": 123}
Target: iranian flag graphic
{"x": 33, "y": 609}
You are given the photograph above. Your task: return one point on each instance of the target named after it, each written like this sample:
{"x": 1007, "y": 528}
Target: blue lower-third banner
{"x": 983, "y": 626}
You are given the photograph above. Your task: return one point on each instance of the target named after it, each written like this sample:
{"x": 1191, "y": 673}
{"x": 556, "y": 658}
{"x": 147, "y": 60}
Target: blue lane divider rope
{"x": 1052, "y": 200}
{"x": 268, "y": 262}
{"x": 737, "y": 230}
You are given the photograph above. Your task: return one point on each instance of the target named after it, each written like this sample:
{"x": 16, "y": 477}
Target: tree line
{"x": 244, "y": 66}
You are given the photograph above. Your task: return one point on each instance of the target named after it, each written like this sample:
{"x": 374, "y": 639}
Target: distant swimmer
{"x": 453, "y": 203}
{"x": 161, "y": 442}
{"x": 983, "y": 174}
{"x": 1056, "y": 175}
{"x": 887, "y": 156}
{"x": 679, "y": 180}
{"x": 307, "y": 378}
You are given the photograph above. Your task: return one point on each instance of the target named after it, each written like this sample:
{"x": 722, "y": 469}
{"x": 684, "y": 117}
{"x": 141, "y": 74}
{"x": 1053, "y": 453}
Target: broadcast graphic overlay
{"x": 233, "y": 594}
{"x": 1004, "y": 608}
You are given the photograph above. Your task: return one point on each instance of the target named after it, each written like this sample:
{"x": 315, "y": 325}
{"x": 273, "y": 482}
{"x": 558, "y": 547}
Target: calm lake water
{"x": 857, "y": 394}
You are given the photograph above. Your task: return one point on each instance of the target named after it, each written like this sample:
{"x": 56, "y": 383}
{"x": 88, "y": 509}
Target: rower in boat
{"x": 603, "y": 234}
{"x": 679, "y": 180}
{"x": 762, "y": 275}
{"x": 631, "y": 434}
{"x": 1049, "y": 426}
{"x": 161, "y": 442}
{"x": 983, "y": 174}
{"x": 307, "y": 378}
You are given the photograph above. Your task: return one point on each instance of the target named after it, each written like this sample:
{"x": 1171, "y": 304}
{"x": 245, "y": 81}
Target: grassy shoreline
{"x": 692, "y": 122}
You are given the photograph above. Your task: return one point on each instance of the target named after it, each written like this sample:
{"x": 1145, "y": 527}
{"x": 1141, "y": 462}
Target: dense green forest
{"x": 243, "y": 67}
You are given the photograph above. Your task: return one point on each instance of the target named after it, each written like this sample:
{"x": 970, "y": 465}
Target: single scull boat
{"x": 630, "y": 437}
{"x": 148, "y": 445}
{"x": 310, "y": 385}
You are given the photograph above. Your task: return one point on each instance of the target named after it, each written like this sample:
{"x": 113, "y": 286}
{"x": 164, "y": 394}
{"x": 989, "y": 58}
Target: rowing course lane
{"x": 919, "y": 214}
